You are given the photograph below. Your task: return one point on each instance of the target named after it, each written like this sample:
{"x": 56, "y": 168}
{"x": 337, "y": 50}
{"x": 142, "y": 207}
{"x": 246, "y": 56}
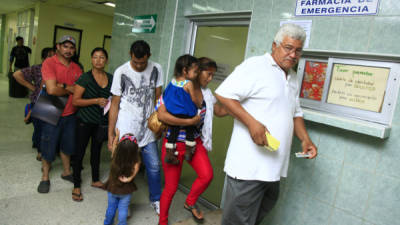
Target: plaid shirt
{"x": 33, "y": 74}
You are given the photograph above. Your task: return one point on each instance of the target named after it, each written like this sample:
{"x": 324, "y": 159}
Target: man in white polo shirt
{"x": 262, "y": 94}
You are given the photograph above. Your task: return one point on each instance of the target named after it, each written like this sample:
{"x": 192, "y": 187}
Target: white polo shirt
{"x": 265, "y": 92}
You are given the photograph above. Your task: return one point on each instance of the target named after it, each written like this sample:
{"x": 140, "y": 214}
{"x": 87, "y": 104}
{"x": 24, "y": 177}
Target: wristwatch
{"x": 64, "y": 85}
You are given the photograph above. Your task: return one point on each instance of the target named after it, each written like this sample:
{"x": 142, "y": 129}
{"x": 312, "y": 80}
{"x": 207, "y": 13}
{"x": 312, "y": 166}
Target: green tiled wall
{"x": 2, "y": 35}
{"x": 355, "y": 179}
{"x": 122, "y": 36}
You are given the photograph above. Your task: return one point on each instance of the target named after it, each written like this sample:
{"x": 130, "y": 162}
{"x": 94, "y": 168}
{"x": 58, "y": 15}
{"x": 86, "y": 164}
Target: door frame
{"x": 104, "y": 40}
{"x": 225, "y": 19}
{"x": 241, "y": 18}
{"x": 78, "y": 47}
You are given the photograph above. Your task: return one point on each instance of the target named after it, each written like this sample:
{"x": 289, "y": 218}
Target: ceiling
{"x": 8, "y": 6}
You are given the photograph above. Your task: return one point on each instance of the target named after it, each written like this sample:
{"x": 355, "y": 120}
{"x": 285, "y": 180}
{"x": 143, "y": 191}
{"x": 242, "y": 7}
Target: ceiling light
{"x": 109, "y": 4}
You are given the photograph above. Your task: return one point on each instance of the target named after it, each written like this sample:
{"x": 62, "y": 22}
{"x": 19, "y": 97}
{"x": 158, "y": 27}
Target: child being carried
{"x": 179, "y": 100}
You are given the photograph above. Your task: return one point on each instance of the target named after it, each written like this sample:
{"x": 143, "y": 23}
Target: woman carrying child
{"x": 125, "y": 165}
{"x": 202, "y": 136}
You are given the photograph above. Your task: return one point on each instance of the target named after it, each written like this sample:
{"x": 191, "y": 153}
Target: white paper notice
{"x": 107, "y": 107}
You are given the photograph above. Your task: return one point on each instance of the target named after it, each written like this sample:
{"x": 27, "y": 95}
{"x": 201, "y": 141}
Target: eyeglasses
{"x": 129, "y": 137}
{"x": 290, "y": 49}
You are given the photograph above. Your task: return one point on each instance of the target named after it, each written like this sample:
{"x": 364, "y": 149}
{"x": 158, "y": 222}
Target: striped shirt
{"x": 197, "y": 133}
{"x": 94, "y": 113}
{"x": 182, "y": 132}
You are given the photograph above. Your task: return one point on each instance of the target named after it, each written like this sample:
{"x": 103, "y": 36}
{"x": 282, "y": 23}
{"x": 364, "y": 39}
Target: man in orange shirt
{"x": 59, "y": 74}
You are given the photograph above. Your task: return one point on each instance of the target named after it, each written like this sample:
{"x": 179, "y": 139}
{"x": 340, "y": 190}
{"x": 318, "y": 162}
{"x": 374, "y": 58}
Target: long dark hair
{"x": 125, "y": 157}
{"x": 184, "y": 62}
{"x": 99, "y": 49}
{"x": 205, "y": 63}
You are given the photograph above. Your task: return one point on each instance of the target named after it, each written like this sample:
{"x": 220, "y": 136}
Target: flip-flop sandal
{"x": 190, "y": 209}
{"x": 44, "y": 186}
{"x": 78, "y": 197}
{"x": 69, "y": 178}
{"x": 100, "y": 187}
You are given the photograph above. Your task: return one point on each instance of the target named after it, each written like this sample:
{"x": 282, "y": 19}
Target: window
{"x": 25, "y": 25}
{"x": 363, "y": 88}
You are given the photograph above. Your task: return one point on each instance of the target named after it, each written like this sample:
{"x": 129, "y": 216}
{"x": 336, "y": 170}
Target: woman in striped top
{"x": 92, "y": 92}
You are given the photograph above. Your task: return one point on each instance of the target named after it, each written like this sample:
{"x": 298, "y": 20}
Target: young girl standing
{"x": 124, "y": 167}
{"x": 180, "y": 101}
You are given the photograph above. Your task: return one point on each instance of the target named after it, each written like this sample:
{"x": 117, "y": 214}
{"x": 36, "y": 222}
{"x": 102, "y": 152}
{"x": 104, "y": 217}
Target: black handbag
{"x": 49, "y": 108}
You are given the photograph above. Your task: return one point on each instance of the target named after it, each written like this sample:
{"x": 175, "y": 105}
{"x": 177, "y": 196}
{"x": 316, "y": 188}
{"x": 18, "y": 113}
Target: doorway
{"x": 60, "y": 31}
{"x": 107, "y": 47}
{"x": 223, "y": 39}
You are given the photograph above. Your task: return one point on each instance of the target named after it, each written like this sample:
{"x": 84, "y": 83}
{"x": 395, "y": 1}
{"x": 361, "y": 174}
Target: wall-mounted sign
{"x": 336, "y": 7}
{"x": 144, "y": 24}
{"x": 361, "y": 87}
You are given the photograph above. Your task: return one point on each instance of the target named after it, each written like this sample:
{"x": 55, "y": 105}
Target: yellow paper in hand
{"x": 273, "y": 143}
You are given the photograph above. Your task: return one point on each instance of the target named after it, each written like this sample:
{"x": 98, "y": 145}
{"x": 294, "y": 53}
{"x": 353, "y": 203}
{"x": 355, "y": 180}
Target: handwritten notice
{"x": 359, "y": 87}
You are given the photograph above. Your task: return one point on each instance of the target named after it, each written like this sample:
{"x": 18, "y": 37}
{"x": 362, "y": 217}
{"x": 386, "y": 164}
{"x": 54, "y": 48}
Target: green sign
{"x": 144, "y": 24}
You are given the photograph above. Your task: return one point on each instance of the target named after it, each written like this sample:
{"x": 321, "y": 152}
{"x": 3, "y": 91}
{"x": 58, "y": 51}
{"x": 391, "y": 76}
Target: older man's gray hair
{"x": 290, "y": 30}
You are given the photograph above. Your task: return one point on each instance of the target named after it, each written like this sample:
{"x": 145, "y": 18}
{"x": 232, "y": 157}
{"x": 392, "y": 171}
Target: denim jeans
{"x": 152, "y": 164}
{"x": 120, "y": 202}
{"x": 37, "y": 133}
{"x": 62, "y": 135}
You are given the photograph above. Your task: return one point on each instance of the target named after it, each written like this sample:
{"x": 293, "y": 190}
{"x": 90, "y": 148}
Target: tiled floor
{"x": 21, "y": 204}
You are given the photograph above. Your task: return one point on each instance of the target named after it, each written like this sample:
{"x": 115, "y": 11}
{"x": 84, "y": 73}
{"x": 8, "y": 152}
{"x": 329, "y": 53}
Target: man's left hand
{"x": 309, "y": 148}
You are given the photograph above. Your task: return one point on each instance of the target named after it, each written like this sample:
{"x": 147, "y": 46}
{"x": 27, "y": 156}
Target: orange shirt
{"x": 53, "y": 69}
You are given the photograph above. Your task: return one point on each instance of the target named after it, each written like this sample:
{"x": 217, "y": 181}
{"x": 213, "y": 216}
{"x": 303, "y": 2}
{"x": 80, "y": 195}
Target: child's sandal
{"x": 190, "y": 148}
{"x": 170, "y": 157}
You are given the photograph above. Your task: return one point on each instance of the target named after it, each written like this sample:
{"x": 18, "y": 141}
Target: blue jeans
{"x": 37, "y": 132}
{"x": 152, "y": 164}
{"x": 117, "y": 201}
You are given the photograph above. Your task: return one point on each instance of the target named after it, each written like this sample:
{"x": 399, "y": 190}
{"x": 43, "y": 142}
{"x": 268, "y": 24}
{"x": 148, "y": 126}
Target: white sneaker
{"x": 156, "y": 206}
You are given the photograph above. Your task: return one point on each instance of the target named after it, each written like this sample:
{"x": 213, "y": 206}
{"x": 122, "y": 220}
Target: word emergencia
{"x": 336, "y": 7}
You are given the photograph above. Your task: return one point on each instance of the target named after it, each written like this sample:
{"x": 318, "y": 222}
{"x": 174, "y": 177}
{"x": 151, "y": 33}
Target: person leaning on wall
{"x": 262, "y": 95}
